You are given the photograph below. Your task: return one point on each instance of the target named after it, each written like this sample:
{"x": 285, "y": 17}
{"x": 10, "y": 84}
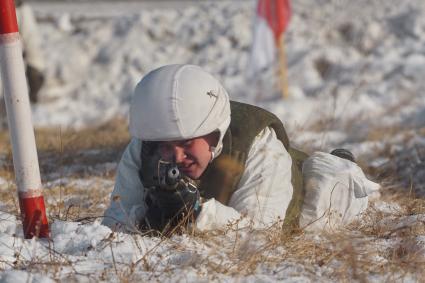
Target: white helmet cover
{"x": 177, "y": 102}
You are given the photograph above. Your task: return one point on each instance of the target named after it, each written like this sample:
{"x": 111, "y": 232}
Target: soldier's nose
{"x": 179, "y": 154}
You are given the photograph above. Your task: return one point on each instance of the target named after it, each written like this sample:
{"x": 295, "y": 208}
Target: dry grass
{"x": 58, "y": 149}
{"x": 383, "y": 245}
{"x": 375, "y": 246}
{"x": 111, "y": 134}
{"x": 70, "y": 154}
{"x": 365, "y": 248}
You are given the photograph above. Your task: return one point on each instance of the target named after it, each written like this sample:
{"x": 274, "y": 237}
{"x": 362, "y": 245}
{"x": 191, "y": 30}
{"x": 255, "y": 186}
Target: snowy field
{"x": 356, "y": 75}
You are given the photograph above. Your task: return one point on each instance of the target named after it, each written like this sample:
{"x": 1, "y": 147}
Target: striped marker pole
{"x": 25, "y": 160}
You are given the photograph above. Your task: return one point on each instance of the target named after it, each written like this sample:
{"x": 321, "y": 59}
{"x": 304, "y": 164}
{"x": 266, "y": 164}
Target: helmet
{"x": 177, "y": 102}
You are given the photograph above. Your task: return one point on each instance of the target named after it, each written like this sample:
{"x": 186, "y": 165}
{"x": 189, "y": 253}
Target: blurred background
{"x": 355, "y": 69}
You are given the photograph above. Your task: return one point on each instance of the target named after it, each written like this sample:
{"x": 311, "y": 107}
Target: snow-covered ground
{"x": 350, "y": 73}
{"x": 356, "y": 72}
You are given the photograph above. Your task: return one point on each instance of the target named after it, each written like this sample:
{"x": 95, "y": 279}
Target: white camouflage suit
{"x": 337, "y": 189}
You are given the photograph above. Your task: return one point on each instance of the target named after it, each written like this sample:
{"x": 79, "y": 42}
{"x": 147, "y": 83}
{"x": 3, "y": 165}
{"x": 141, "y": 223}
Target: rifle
{"x": 171, "y": 197}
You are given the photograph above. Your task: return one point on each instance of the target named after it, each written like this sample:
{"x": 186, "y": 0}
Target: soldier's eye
{"x": 188, "y": 143}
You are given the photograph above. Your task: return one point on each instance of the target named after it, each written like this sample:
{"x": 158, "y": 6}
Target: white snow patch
{"x": 19, "y": 276}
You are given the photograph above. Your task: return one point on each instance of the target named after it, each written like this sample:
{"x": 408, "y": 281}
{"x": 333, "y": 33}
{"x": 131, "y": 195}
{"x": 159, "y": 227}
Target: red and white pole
{"x": 25, "y": 160}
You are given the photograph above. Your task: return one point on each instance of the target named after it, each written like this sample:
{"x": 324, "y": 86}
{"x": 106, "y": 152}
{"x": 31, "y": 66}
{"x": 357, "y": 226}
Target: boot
{"x": 344, "y": 153}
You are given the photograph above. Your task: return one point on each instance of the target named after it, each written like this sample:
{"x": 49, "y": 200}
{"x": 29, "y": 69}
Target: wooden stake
{"x": 283, "y": 76}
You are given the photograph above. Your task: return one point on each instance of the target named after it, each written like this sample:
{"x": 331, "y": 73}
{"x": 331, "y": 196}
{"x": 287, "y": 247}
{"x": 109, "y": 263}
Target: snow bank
{"x": 343, "y": 70}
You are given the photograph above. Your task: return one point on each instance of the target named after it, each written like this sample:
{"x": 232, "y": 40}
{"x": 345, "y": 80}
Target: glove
{"x": 168, "y": 209}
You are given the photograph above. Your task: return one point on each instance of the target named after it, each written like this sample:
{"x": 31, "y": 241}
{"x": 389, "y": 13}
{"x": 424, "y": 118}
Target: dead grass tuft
{"x": 70, "y": 154}
{"x": 58, "y": 149}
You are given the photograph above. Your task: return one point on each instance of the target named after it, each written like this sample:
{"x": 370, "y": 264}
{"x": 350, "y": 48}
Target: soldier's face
{"x": 192, "y": 155}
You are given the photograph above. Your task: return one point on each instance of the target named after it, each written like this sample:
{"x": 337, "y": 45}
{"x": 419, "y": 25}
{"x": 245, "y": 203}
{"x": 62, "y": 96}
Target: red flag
{"x": 272, "y": 19}
{"x": 277, "y": 14}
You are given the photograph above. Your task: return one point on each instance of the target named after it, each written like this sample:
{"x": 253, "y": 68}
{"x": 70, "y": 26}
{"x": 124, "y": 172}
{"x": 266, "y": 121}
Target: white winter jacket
{"x": 263, "y": 193}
